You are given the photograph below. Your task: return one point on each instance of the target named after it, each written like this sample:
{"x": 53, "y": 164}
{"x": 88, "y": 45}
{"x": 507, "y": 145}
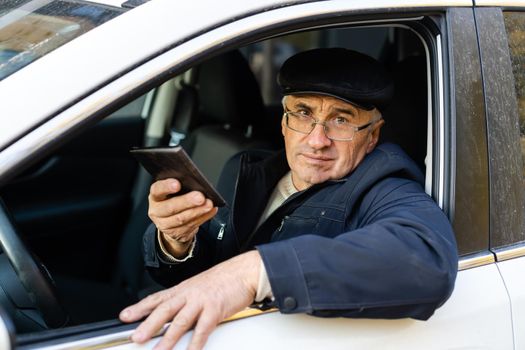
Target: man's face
{"x": 314, "y": 158}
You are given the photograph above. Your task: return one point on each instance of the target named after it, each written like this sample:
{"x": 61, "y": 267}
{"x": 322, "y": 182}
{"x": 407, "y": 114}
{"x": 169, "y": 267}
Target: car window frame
{"x": 171, "y": 67}
{"x": 467, "y": 113}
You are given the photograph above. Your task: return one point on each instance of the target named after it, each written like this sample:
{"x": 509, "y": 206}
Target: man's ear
{"x": 373, "y": 136}
{"x": 283, "y": 125}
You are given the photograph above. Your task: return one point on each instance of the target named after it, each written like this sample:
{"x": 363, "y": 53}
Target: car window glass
{"x": 31, "y": 29}
{"x": 515, "y": 26}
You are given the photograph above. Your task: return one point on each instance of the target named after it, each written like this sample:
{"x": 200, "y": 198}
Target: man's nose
{"x": 317, "y": 138}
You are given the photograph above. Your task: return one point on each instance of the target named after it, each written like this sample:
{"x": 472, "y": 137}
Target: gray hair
{"x": 283, "y": 101}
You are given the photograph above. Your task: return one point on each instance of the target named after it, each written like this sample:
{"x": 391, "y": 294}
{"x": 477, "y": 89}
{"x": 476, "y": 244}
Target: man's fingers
{"x": 186, "y": 218}
{"x": 161, "y": 189}
{"x": 207, "y": 216}
{"x": 188, "y": 230}
{"x": 162, "y": 314}
{"x": 177, "y": 204}
{"x": 205, "y": 325}
{"x": 181, "y": 323}
{"x": 144, "y": 307}
{"x": 203, "y": 300}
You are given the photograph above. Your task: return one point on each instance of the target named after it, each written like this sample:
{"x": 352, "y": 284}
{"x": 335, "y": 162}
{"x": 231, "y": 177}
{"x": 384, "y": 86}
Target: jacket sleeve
{"x": 168, "y": 273}
{"x": 400, "y": 260}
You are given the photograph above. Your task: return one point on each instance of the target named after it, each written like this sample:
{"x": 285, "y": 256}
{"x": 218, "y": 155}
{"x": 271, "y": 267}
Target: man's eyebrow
{"x": 302, "y": 105}
{"x": 345, "y": 111}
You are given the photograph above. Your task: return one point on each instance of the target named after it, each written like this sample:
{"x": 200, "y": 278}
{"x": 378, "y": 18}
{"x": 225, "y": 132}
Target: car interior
{"x": 83, "y": 209}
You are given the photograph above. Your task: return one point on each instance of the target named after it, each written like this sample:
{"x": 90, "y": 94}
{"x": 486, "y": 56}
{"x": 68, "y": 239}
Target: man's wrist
{"x": 249, "y": 273}
{"x": 175, "y": 252}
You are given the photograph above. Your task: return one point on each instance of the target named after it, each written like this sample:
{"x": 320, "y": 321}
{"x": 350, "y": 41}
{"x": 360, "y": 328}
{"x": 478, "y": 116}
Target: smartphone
{"x": 173, "y": 162}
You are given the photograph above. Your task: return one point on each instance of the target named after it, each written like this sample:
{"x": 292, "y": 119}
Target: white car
{"x": 83, "y": 82}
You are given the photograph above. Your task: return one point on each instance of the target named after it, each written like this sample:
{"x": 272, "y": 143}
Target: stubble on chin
{"x": 307, "y": 175}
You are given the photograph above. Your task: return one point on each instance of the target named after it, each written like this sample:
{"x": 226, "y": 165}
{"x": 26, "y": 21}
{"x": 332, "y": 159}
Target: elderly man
{"x": 333, "y": 226}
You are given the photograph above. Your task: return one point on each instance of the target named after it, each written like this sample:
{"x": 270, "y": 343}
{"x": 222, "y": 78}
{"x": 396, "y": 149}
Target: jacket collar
{"x": 257, "y": 179}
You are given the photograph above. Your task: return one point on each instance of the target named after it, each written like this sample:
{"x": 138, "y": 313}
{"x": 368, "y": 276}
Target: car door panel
{"x": 459, "y": 324}
{"x": 512, "y": 273}
{"x": 462, "y": 323}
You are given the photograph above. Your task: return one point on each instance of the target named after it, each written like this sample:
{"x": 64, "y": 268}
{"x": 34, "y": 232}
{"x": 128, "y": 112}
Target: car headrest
{"x": 228, "y": 91}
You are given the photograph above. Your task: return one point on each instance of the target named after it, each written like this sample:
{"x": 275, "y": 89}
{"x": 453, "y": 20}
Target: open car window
{"x": 223, "y": 105}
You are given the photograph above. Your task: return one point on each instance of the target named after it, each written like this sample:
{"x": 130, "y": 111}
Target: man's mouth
{"x": 316, "y": 158}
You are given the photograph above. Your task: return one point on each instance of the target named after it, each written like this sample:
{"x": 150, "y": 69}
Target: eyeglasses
{"x": 337, "y": 128}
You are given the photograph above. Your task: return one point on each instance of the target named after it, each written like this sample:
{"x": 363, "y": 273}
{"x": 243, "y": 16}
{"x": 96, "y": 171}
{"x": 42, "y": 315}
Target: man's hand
{"x": 178, "y": 218}
{"x": 202, "y": 301}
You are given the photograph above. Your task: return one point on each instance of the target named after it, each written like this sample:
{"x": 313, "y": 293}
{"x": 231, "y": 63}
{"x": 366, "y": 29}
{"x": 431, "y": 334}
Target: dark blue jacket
{"x": 371, "y": 244}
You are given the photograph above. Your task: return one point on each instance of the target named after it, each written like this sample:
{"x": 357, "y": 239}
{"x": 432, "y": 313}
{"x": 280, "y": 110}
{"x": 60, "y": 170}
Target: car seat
{"x": 230, "y": 106}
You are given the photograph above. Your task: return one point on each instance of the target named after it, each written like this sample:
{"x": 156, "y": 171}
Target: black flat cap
{"x": 345, "y": 74}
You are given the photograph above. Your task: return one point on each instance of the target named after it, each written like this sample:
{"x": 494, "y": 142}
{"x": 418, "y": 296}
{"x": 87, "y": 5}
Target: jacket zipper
{"x": 282, "y": 223}
{"x": 232, "y": 208}
{"x": 221, "y": 232}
